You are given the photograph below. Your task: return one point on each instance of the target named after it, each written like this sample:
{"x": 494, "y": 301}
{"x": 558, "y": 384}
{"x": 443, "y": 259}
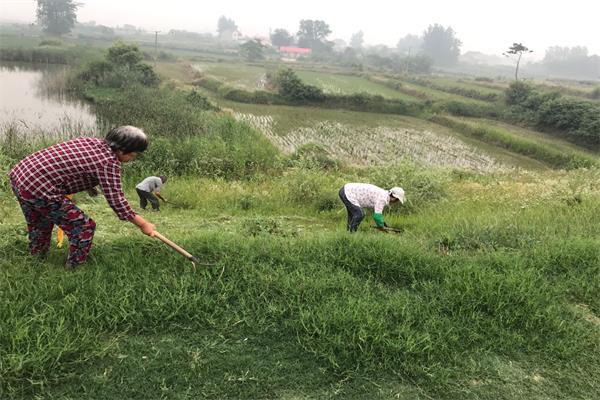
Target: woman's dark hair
{"x": 163, "y": 178}
{"x": 128, "y": 139}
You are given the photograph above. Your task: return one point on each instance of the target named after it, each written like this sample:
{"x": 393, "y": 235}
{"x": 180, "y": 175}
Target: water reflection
{"x": 33, "y": 97}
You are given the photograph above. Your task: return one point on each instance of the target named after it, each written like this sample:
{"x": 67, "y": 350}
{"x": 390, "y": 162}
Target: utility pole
{"x": 156, "y": 46}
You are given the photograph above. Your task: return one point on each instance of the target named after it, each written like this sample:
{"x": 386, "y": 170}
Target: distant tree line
{"x": 414, "y": 54}
{"x": 572, "y": 61}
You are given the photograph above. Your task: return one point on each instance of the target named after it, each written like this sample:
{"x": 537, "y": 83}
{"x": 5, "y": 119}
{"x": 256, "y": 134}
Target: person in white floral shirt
{"x": 357, "y": 196}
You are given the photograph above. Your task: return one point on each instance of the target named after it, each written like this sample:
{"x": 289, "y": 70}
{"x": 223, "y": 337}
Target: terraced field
{"x": 386, "y": 142}
{"x": 348, "y": 84}
{"x": 366, "y": 138}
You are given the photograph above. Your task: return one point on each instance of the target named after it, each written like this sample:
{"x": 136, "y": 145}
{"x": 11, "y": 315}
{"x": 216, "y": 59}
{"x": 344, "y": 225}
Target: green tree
{"x": 441, "y": 45}
{"x": 357, "y": 40}
{"x": 252, "y": 50}
{"x": 124, "y": 54}
{"x": 57, "y": 17}
{"x": 226, "y": 27}
{"x": 291, "y": 88}
{"x": 281, "y": 37}
{"x": 121, "y": 67}
{"x": 517, "y": 49}
{"x": 313, "y": 34}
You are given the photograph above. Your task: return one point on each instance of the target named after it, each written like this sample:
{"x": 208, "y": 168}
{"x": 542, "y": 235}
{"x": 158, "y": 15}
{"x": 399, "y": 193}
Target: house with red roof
{"x": 290, "y": 53}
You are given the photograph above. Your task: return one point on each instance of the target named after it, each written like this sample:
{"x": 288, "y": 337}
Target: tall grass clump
{"x": 423, "y": 186}
{"x": 312, "y": 188}
{"x": 187, "y": 138}
{"x": 18, "y": 139}
{"x": 49, "y": 53}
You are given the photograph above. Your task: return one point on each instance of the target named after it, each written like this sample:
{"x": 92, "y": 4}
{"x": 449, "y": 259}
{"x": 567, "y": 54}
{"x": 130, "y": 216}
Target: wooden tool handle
{"x": 174, "y": 246}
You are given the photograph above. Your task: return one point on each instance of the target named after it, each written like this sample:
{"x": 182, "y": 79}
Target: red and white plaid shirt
{"x": 71, "y": 167}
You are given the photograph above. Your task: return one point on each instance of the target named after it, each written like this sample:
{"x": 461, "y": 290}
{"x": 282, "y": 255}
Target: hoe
{"x": 178, "y": 249}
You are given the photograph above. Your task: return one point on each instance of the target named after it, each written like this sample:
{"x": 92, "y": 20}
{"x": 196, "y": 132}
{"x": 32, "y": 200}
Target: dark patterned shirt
{"x": 71, "y": 167}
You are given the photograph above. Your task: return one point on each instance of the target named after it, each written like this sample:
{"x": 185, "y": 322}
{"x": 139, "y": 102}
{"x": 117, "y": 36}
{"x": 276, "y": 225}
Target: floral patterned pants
{"x": 41, "y": 216}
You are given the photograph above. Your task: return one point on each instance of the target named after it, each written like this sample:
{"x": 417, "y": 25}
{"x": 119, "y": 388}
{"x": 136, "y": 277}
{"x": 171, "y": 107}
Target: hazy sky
{"x": 486, "y": 26}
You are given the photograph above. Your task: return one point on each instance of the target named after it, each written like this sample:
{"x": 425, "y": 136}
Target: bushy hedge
{"x": 579, "y": 119}
{"x": 463, "y": 109}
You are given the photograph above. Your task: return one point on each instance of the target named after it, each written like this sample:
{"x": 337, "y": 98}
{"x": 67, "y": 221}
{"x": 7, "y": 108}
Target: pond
{"x": 33, "y": 99}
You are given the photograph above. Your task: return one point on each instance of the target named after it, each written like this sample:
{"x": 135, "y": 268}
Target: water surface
{"x": 33, "y": 97}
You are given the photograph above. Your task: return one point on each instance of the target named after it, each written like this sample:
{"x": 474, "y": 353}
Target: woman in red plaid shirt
{"x": 42, "y": 180}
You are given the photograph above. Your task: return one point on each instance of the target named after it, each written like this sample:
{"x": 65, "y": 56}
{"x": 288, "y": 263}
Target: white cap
{"x": 398, "y": 193}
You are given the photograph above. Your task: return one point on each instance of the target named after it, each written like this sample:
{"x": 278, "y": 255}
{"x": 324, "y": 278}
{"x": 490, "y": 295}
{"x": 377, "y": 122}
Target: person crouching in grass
{"x": 149, "y": 189}
{"x": 41, "y": 181}
{"x": 357, "y": 196}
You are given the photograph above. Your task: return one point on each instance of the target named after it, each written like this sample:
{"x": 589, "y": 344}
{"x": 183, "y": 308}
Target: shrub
{"x": 211, "y": 84}
{"x": 121, "y": 67}
{"x": 579, "y": 119}
{"x": 312, "y": 188}
{"x": 517, "y": 93}
{"x": 462, "y": 109}
{"x": 199, "y": 101}
{"x": 124, "y": 54}
{"x": 246, "y": 202}
{"x": 291, "y": 88}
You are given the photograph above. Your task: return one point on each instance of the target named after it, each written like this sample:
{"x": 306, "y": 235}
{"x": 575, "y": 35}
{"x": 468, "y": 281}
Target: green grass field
{"x": 466, "y": 83}
{"x": 347, "y": 84}
{"x": 490, "y": 292}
